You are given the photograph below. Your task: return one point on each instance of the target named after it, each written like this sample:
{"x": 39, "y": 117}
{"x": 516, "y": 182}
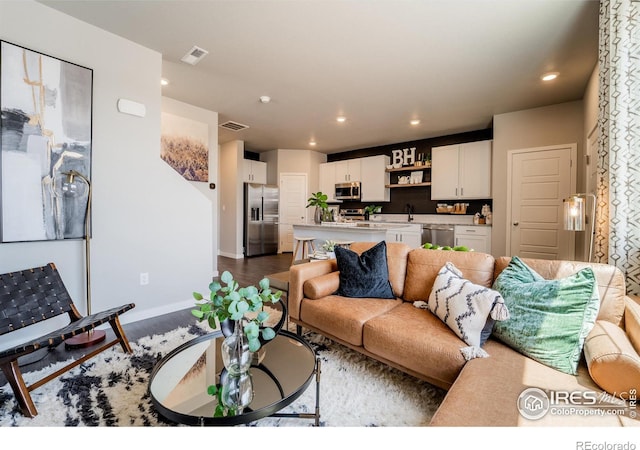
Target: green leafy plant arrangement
{"x": 319, "y": 200}
{"x": 215, "y": 390}
{"x": 329, "y": 245}
{"x": 240, "y": 304}
{"x": 372, "y": 209}
{"x": 458, "y": 248}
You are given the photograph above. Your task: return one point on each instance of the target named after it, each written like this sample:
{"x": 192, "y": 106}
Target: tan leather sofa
{"x": 483, "y": 391}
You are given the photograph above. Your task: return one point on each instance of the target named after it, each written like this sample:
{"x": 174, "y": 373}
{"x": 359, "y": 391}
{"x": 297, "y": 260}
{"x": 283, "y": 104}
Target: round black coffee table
{"x": 179, "y": 382}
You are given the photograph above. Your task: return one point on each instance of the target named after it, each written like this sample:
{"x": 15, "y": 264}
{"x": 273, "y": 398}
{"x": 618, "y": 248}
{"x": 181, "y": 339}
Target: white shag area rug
{"x": 111, "y": 390}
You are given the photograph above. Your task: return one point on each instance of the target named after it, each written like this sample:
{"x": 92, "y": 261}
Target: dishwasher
{"x": 442, "y": 235}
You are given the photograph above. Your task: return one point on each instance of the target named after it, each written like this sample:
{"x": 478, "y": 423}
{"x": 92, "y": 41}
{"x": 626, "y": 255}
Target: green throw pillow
{"x": 550, "y": 319}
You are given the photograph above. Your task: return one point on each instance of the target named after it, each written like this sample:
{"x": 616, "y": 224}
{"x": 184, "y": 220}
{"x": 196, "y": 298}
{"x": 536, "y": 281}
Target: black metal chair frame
{"x": 34, "y": 295}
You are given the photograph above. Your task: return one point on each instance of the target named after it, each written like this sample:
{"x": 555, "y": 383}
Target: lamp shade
{"x": 70, "y": 184}
{"x": 574, "y": 213}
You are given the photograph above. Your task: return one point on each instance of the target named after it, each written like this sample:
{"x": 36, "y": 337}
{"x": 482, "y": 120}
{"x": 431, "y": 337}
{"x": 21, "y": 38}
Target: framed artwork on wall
{"x": 184, "y": 146}
{"x": 45, "y": 133}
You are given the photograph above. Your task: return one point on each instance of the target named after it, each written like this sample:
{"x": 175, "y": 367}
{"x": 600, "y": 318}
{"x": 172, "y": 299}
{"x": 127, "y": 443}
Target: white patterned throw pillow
{"x": 466, "y": 308}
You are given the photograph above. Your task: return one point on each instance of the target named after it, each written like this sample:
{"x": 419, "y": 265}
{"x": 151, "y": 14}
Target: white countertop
{"x": 395, "y": 221}
{"x": 439, "y": 219}
{"x": 356, "y": 226}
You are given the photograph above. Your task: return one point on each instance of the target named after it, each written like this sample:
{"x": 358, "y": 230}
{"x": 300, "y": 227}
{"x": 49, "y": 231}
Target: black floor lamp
{"x": 69, "y": 187}
{"x": 575, "y": 216}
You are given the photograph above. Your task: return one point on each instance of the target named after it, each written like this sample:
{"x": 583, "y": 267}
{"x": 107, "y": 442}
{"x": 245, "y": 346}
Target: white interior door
{"x": 293, "y": 202}
{"x": 539, "y": 179}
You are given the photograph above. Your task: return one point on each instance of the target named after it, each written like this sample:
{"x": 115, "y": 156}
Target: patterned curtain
{"x": 617, "y": 239}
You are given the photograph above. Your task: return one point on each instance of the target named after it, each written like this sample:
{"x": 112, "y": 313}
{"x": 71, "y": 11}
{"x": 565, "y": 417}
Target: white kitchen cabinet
{"x": 477, "y": 238}
{"x": 374, "y": 179}
{"x": 410, "y": 235}
{"x": 254, "y": 171}
{"x": 461, "y": 171}
{"x": 327, "y": 180}
{"x": 348, "y": 170}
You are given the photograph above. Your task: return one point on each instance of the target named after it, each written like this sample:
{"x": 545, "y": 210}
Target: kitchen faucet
{"x": 409, "y": 209}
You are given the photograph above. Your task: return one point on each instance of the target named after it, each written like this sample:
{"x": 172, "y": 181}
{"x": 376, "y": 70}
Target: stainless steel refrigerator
{"x": 260, "y": 219}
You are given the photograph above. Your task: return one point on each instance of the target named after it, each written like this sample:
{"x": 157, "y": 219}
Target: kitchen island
{"x": 408, "y": 233}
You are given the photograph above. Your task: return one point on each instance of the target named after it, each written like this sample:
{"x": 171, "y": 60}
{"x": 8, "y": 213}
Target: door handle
{"x": 515, "y": 224}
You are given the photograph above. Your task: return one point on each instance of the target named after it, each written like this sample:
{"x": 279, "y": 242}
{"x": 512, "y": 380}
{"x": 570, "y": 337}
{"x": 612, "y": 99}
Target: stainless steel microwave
{"x": 348, "y": 191}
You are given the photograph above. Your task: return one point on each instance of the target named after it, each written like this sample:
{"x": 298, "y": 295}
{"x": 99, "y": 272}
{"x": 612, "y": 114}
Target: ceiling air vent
{"x": 233, "y": 126}
{"x": 195, "y": 55}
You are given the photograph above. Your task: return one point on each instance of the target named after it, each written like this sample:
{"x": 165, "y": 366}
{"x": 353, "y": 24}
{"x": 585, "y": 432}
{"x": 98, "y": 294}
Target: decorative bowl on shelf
{"x": 389, "y": 166}
{"x": 397, "y": 165}
{"x": 444, "y": 208}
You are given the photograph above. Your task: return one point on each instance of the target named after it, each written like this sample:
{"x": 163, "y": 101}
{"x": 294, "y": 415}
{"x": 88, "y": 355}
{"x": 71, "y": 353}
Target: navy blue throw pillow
{"x": 365, "y": 275}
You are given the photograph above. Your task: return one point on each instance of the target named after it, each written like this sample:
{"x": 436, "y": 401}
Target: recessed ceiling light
{"x": 341, "y": 119}
{"x": 415, "y": 122}
{"x": 265, "y": 99}
{"x": 312, "y": 143}
{"x": 550, "y": 76}
{"x": 164, "y": 82}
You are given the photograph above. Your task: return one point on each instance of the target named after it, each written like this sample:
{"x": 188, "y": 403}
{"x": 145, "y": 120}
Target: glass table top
{"x": 179, "y": 382}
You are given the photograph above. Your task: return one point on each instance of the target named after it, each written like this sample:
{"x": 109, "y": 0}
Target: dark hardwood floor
{"x": 247, "y": 271}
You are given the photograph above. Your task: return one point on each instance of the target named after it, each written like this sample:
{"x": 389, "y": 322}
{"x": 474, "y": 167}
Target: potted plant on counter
{"x": 329, "y": 248}
{"x": 319, "y": 200}
{"x": 371, "y": 209}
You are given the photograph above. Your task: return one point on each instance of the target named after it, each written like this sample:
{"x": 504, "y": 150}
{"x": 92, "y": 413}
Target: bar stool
{"x": 343, "y": 244}
{"x": 308, "y": 247}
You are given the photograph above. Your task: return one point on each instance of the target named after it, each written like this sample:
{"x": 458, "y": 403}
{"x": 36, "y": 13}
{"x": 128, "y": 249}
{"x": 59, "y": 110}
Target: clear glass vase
{"x": 236, "y": 355}
{"x": 237, "y": 385}
{"x": 237, "y": 392}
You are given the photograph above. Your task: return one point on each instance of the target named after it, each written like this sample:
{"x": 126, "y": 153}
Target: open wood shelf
{"x": 407, "y": 185}
{"x": 408, "y": 168}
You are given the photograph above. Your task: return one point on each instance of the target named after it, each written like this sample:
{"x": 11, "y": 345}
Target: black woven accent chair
{"x": 34, "y": 295}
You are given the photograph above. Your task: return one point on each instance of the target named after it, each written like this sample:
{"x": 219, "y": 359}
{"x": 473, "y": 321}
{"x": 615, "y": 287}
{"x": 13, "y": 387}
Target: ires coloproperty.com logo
{"x": 535, "y": 403}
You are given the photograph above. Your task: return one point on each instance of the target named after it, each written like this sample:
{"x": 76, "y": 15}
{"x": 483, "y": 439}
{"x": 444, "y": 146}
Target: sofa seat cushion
{"x": 344, "y": 317}
{"x": 416, "y": 339}
{"x": 486, "y": 393}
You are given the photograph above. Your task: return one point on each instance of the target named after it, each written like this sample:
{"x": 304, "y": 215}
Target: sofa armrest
{"x": 632, "y": 321}
{"x": 614, "y": 364}
{"x": 298, "y": 275}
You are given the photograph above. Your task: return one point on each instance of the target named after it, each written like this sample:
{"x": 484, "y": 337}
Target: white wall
{"x": 145, "y": 218}
{"x": 231, "y": 199}
{"x": 271, "y": 158}
{"x": 181, "y": 109}
{"x": 301, "y": 161}
{"x": 538, "y": 127}
{"x": 590, "y": 99}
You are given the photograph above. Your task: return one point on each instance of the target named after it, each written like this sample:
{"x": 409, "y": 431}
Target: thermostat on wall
{"x": 130, "y": 107}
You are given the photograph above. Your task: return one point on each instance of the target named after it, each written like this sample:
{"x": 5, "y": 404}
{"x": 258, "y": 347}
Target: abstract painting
{"x": 45, "y": 126}
{"x": 184, "y": 146}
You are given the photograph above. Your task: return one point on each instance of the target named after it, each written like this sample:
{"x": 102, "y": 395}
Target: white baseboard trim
{"x": 231, "y": 255}
{"x": 136, "y": 315}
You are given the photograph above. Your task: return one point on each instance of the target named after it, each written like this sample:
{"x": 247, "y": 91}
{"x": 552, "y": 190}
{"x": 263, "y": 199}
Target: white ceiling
{"x": 453, "y": 64}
